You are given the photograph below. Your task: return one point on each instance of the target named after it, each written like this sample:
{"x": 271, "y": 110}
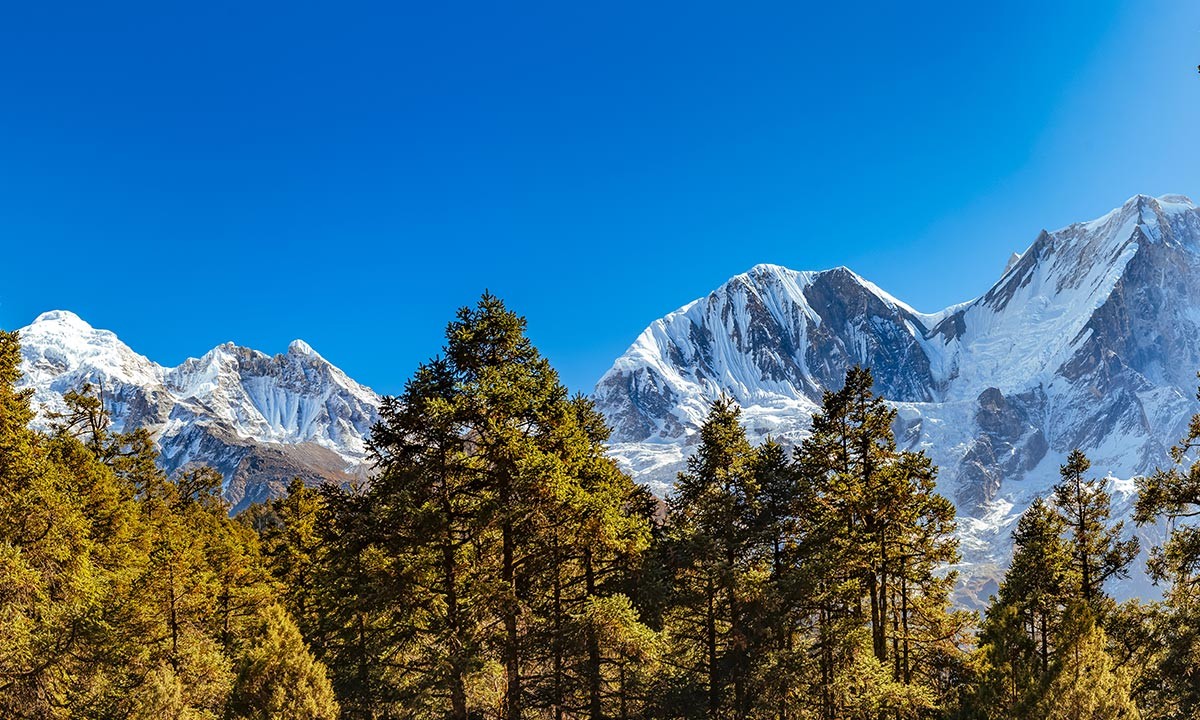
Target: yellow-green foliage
{"x": 500, "y": 566}
{"x": 1086, "y": 683}
{"x": 124, "y": 593}
{"x": 278, "y": 679}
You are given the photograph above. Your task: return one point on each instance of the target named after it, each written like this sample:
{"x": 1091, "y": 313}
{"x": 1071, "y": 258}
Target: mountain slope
{"x": 1090, "y": 339}
{"x": 772, "y": 339}
{"x": 258, "y": 419}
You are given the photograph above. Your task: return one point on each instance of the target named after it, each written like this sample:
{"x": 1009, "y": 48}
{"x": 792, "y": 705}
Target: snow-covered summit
{"x": 240, "y": 410}
{"x": 299, "y": 347}
{"x": 772, "y": 339}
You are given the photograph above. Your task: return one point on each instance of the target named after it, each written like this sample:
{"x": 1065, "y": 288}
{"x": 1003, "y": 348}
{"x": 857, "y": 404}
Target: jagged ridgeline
{"x": 259, "y": 420}
{"x": 1090, "y": 339}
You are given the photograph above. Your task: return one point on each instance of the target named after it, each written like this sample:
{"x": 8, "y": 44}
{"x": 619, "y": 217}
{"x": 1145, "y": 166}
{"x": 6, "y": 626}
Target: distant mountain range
{"x": 259, "y": 420}
{"x": 1090, "y": 339}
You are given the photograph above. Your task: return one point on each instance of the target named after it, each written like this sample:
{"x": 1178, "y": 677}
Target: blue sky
{"x": 350, "y": 173}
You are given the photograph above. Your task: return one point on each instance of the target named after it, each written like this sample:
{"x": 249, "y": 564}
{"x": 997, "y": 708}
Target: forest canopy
{"x": 500, "y": 565}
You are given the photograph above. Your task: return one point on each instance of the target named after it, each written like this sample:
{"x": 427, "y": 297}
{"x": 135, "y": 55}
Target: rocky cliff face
{"x": 258, "y": 419}
{"x": 1089, "y": 339}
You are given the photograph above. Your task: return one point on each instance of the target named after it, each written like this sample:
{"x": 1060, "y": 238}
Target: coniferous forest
{"x": 500, "y": 566}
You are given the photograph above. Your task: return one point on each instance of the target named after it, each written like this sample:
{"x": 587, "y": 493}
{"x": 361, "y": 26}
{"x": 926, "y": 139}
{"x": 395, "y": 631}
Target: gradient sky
{"x": 350, "y": 173}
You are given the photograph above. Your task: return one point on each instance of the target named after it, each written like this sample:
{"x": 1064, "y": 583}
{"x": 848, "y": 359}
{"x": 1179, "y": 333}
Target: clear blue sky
{"x": 191, "y": 173}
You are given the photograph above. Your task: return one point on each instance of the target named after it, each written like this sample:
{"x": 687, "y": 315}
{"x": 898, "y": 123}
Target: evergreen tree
{"x": 494, "y": 524}
{"x": 1099, "y": 552}
{"x": 293, "y": 545}
{"x": 885, "y": 533}
{"x": 1173, "y": 495}
{"x": 364, "y": 616}
{"x": 1085, "y": 682}
{"x": 785, "y": 613}
{"x": 1017, "y": 642}
{"x": 1040, "y": 580}
{"x": 123, "y": 593}
{"x": 278, "y": 679}
{"x": 718, "y": 563}
{"x": 51, "y": 591}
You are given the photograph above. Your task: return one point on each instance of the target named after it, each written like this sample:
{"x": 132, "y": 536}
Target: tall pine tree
{"x": 1099, "y": 553}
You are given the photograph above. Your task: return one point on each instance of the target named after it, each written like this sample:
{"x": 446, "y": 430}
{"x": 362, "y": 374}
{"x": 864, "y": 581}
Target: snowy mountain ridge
{"x": 258, "y": 419}
{"x": 1090, "y": 338}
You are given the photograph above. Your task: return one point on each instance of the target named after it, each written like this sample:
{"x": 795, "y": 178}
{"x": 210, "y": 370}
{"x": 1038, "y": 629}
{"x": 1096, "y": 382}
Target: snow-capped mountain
{"x": 258, "y": 419}
{"x": 1090, "y": 339}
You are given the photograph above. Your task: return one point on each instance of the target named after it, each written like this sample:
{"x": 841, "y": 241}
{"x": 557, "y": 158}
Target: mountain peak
{"x": 233, "y": 408}
{"x": 72, "y": 335}
{"x": 1164, "y": 205}
{"x": 1168, "y": 199}
{"x": 1182, "y": 201}
{"x": 299, "y": 347}
{"x": 1145, "y": 210}
{"x": 61, "y": 317}
{"x": 763, "y": 268}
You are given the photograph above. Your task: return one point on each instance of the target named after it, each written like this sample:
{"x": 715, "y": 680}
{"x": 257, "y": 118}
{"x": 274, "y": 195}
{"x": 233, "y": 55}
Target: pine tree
{"x": 1099, "y": 552}
{"x": 293, "y": 545}
{"x": 882, "y": 534}
{"x": 1040, "y": 580}
{"x": 784, "y": 614}
{"x": 1173, "y": 495}
{"x": 278, "y": 679}
{"x": 1085, "y": 682}
{"x": 51, "y": 591}
{"x": 122, "y": 593}
{"x": 1017, "y": 643}
{"x": 355, "y": 624}
{"x": 718, "y": 569}
{"x": 494, "y": 523}
{"x": 592, "y": 534}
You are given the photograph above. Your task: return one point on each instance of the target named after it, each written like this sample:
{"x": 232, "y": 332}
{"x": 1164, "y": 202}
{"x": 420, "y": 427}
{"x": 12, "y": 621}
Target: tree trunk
{"x": 1081, "y": 542}
{"x": 904, "y": 622}
{"x": 738, "y": 639}
{"x": 595, "y": 707}
{"x": 826, "y": 665}
{"x": 876, "y": 621}
{"x": 710, "y": 622}
{"x": 1045, "y": 646}
{"x": 511, "y": 653}
{"x": 458, "y": 689}
{"x": 558, "y": 635}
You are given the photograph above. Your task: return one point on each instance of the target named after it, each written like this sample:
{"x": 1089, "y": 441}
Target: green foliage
{"x": 485, "y": 569}
{"x": 813, "y": 587}
{"x": 278, "y": 679}
{"x": 1040, "y": 582}
{"x": 1041, "y": 651}
{"x": 499, "y": 566}
{"x": 884, "y": 536}
{"x": 123, "y": 593}
{"x": 1099, "y": 552}
{"x": 719, "y": 565}
{"x": 1085, "y": 683}
{"x": 1172, "y": 689}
